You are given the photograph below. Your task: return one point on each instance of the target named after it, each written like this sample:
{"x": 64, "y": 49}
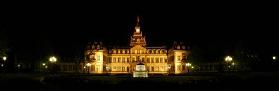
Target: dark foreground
{"x": 216, "y": 81}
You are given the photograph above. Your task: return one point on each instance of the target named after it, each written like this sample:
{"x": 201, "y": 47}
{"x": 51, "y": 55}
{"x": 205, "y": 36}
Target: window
{"x": 162, "y": 68}
{"x": 114, "y": 59}
{"x": 119, "y": 59}
{"x": 119, "y": 68}
{"x": 128, "y": 59}
{"x": 98, "y": 57}
{"x": 157, "y": 60}
{"x": 134, "y": 59}
{"x": 136, "y": 51}
{"x": 119, "y": 51}
{"x": 140, "y": 51}
{"x": 114, "y": 51}
{"x": 161, "y": 60}
{"x": 123, "y": 51}
{"x": 123, "y": 69}
{"x": 123, "y": 59}
{"x": 148, "y": 59}
{"x": 109, "y": 59}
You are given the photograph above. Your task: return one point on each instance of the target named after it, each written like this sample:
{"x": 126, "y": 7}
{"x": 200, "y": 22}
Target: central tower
{"x": 137, "y": 38}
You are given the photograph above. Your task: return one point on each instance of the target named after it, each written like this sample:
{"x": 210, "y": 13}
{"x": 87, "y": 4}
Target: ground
{"x": 207, "y": 81}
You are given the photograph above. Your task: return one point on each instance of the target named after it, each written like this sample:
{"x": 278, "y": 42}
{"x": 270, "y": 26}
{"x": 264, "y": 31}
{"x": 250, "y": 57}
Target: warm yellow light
{"x": 188, "y": 64}
{"x": 88, "y": 64}
{"x": 43, "y": 64}
{"x": 228, "y": 59}
{"x": 137, "y": 30}
{"x": 53, "y": 59}
{"x": 18, "y": 65}
{"x": 192, "y": 67}
{"x": 46, "y": 67}
{"x": 233, "y": 63}
{"x": 2, "y": 65}
{"x": 4, "y": 58}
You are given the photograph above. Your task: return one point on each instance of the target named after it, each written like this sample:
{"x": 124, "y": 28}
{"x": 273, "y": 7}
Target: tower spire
{"x": 137, "y": 38}
{"x": 138, "y": 19}
{"x": 137, "y": 28}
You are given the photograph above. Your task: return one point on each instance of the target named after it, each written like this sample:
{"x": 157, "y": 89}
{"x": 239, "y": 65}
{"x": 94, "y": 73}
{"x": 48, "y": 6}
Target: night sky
{"x": 35, "y": 32}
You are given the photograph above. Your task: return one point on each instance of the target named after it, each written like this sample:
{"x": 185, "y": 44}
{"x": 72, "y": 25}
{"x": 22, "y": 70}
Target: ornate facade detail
{"x": 157, "y": 60}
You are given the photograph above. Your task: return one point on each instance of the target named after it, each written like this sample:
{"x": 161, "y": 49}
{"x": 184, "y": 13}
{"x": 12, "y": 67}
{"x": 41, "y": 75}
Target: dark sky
{"x": 41, "y": 30}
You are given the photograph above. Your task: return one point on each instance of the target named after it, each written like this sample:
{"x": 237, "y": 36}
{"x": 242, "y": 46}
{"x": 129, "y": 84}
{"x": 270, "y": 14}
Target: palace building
{"x": 156, "y": 60}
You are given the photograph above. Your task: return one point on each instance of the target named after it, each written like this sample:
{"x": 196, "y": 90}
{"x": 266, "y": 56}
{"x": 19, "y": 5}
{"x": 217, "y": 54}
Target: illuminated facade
{"x": 157, "y": 60}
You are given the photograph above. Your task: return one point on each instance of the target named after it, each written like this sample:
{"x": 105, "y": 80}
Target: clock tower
{"x": 137, "y": 38}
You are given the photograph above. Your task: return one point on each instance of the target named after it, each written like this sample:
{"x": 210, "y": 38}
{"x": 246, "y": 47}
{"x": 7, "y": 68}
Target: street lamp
{"x": 53, "y": 59}
{"x": 233, "y": 64}
{"x": 88, "y": 67}
{"x": 18, "y": 66}
{"x": 188, "y": 66}
{"x": 228, "y": 59}
{"x": 4, "y": 58}
{"x": 43, "y": 64}
{"x": 169, "y": 67}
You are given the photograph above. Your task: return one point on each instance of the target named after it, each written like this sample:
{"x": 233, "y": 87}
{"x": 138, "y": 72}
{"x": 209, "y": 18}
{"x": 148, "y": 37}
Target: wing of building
{"x": 157, "y": 60}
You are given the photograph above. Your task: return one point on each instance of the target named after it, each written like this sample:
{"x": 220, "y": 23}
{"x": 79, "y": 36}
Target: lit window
{"x": 123, "y": 51}
{"x": 123, "y": 59}
{"x": 98, "y": 57}
{"x": 157, "y": 60}
{"x": 123, "y": 68}
{"x": 119, "y": 59}
{"x": 114, "y": 51}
